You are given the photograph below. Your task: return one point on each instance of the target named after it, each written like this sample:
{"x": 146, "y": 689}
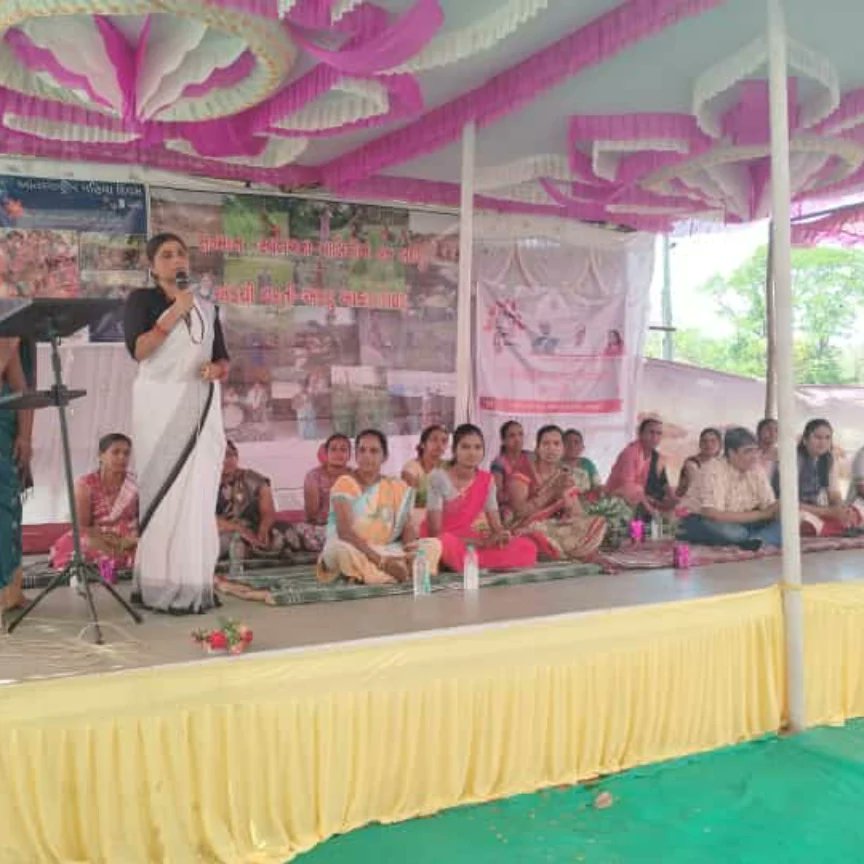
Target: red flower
{"x": 218, "y": 640}
{"x": 246, "y": 634}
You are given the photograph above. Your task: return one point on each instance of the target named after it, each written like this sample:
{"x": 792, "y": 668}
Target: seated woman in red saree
{"x": 107, "y": 505}
{"x": 462, "y": 510}
{"x": 545, "y": 504}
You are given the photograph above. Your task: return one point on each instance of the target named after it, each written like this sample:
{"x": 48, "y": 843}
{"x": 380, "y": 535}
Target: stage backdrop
{"x": 67, "y": 238}
{"x": 338, "y": 317}
{"x": 560, "y": 321}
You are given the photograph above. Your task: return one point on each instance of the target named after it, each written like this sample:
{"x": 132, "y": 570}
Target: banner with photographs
{"x": 337, "y": 317}
{"x": 69, "y": 238}
{"x": 558, "y": 333}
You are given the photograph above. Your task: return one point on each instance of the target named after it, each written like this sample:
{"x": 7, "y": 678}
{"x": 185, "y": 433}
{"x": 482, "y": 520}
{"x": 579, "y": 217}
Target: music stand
{"x": 47, "y": 319}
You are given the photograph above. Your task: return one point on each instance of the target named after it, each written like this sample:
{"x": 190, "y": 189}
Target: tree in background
{"x": 829, "y": 297}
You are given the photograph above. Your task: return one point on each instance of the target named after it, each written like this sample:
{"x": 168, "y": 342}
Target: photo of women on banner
{"x": 547, "y": 351}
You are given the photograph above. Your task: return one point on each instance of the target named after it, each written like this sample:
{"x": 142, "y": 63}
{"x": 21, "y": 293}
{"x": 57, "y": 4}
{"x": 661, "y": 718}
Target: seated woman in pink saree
{"x": 107, "y": 505}
{"x": 462, "y": 510}
{"x": 545, "y": 506}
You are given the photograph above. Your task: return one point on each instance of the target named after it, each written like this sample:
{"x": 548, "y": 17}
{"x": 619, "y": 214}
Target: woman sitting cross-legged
{"x": 334, "y": 456}
{"x": 245, "y": 511}
{"x": 430, "y": 453}
{"x": 855, "y": 496}
{"x": 545, "y": 506}
{"x": 585, "y": 473}
{"x": 511, "y": 457}
{"x": 710, "y": 447}
{"x": 732, "y": 501}
{"x": 370, "y": 536}
{"x": 823, "y": 512}
{"x": 106, "y": 502}
{"x": 462, "y": 510}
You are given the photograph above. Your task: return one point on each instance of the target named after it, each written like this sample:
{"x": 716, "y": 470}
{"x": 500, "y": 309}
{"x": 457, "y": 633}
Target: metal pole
{"x": 464, "y": 340}
{"x": 668, "y": 333}
{"x": 770, "y": 331}
{"x": 782, "y": 261}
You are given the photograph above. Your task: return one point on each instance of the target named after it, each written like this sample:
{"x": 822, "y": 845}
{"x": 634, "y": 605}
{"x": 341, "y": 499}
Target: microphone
{"x": 181, "y": 280}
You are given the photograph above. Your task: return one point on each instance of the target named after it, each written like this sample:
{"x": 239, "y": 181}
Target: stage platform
{"x": 382, "y": 709}
{"x": 164, "y": 639}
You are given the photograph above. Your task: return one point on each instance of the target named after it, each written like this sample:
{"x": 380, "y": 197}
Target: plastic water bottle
{"x": 471, "y": 570}
{"x": 420, "y": 574}
{"x": 656, "y": 529}
{"x": 236, "y": 570}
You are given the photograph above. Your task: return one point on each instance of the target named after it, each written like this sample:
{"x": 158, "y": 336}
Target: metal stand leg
{"x": 77, "y": 569}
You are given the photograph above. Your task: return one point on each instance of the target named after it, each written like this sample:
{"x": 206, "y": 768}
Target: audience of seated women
{"x": 544, "y": 504}
{"x": 639, "y": 474}
{"x": 511, "y": 457}
{"x": 585, "y": 473}
{"x": 823, "y": 511}
{"x": 462, "y": 510}
{"x": 430, "y": 455}
{"x": 106, "y": 502}
{"x": 370, "y": 535}
{"x": 710, "y": 447}
{"x": 733, "y": 502}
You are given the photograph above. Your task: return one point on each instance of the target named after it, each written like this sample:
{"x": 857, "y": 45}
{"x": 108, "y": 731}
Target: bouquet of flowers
{"x": 230, "y": 637}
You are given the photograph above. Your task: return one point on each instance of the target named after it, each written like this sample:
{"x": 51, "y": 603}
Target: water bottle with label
{"x": 471, "y": 570}
{"x": 420, "y": 574}
{"x": 235, "y": 558}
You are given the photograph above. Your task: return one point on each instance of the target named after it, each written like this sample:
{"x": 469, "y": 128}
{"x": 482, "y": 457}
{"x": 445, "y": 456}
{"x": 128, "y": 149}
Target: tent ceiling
{"x": 641, "y": 112}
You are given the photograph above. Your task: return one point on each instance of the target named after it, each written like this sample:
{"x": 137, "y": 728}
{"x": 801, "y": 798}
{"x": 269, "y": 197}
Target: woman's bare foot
{"x": 397, "y": 568}
{"x": 13, "y": 596}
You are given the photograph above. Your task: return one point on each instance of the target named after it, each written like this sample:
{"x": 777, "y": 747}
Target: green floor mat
{"x": 777, "y": 801}
{"x": 289, "y": 586}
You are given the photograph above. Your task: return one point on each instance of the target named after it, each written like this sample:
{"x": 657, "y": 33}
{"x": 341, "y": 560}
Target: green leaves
{"x": 828, "y": 288}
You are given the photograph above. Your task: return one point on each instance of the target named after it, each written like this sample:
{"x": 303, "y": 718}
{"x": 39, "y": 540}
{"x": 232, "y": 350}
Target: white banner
{"x": 559, "y": 332}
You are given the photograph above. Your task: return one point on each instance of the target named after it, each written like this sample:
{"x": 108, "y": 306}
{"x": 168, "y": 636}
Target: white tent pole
{"x": 466, "y": 253}
{"x": 782, "y": 264}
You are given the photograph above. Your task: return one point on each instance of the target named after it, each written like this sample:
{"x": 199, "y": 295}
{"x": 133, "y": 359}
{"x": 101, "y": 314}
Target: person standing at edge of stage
{"x": 177, "y": 341}
{"x": 16, "y": 430}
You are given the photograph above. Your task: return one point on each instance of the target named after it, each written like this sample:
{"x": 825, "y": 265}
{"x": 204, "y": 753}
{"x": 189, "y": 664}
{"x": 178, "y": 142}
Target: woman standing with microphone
{"x": 177, "y": 341}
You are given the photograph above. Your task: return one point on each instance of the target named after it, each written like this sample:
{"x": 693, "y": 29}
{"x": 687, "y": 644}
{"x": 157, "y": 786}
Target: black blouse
{"x": 143, "y": 308}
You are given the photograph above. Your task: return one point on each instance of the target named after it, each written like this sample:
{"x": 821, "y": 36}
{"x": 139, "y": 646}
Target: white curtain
{"x": 106, "y": 372}
{"x": 596, "y": 268}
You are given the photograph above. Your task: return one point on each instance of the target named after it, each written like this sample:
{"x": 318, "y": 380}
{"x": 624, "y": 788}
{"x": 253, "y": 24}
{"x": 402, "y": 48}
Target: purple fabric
{"x": 385, "y": 50}
{"x": 38, "y": 59}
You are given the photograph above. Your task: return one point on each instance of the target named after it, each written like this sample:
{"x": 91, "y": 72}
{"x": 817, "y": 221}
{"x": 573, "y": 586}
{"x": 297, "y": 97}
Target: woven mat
{"x": 293, "y": 586}
{"x": 655, "y": 555}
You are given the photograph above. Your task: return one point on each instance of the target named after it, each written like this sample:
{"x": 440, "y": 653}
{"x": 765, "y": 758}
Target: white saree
{"x": 179, "y": 447}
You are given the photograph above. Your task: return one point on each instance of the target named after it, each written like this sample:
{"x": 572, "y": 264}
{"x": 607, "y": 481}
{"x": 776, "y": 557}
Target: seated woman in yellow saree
{"x": 370, "y": 537}
{"x": 544, "y": 504}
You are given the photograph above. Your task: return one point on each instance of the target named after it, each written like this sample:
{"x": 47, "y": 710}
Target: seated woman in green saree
{"x": 16, "y": 429}
{"x": 544, "y": 504}
{"x": 370, "y": 537}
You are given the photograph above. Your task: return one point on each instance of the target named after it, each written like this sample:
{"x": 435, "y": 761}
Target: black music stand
{"x": 48, "y": 319}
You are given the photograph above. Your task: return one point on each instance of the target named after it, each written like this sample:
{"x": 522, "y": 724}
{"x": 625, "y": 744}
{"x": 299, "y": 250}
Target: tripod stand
{"x": 49, "y": 320}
